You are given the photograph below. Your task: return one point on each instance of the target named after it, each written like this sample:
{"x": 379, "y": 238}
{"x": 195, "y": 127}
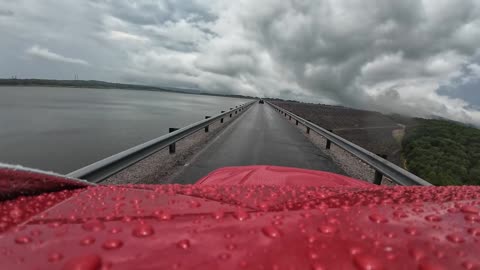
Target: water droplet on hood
{"x": 428, "y": 265}
{"x": 433, "y": 218}
{"x": 93, "y": 226}
{"x": 271, "y": 231}
{"x": 367, "y": 262}
{"x": 112, "y": 244}
{"x": 327, "y": 229}
{"x": 241, "y": 215}
{"x": 455, "y": 238}
{"x": 184, "y": 244}
{"x": 470, "y": 209}
{"x": 55, "y": 257}
{"x": 143, "y": 230}
{"x": 376, "y": 218}
{"x": 86, "y": 262}
{"x": 224, "y": 256}
{"x": 87, "y": 241}
{"x": 474, "y": 231}
{"x": 23, "y": 240}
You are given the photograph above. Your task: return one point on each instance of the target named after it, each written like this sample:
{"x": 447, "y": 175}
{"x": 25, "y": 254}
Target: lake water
{"x": 63, "y": 129}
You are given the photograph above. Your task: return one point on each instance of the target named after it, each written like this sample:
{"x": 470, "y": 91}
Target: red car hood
{"x": 241, "y": 218}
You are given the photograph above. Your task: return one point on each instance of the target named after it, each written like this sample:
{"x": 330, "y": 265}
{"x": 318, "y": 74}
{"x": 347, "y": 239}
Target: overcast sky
{"x": 410, "y": 56}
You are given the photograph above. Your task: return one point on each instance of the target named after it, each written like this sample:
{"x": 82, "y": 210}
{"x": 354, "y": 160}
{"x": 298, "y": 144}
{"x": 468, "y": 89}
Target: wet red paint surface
{"x": 244, "y": 226}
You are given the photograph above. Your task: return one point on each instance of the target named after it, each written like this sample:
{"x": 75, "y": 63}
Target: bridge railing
{"x": 109, "y": 166}
{"x": 381, "y": 166}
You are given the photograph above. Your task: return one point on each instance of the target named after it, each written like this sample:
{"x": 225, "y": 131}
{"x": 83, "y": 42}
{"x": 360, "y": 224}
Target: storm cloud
{"x": 412, "y": 57}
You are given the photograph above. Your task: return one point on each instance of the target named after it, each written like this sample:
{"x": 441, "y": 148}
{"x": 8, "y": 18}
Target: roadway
{"x": 261, "y": 136}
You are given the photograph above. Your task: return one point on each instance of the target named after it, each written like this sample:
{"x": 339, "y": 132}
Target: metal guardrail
{"x": 382, "y": 166}
{"x": 107, "y": 167}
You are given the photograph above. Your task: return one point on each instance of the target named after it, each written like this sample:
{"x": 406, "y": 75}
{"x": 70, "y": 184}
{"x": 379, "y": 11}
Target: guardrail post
{"x": 329, "y": 143}
{"x": 231, "y": 113}
{"x": 378, "y": 178}
{"x": 378, "y": 175}
{"x": 221, "y": 119}
{"x": 308, "y": 130}
{"x": 206, "y": 128}
{"x": 172, "y": 147}
{"x": 290, "y": 118}
{"x": 296, "y": 122}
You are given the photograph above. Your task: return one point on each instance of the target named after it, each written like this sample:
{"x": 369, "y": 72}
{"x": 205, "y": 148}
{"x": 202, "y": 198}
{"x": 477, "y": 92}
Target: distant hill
{"x": 107, "y": 85}
{"x": 79, "y": 84}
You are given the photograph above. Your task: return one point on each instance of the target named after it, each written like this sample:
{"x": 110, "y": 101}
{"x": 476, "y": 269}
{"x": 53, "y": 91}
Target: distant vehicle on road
{"x": 261, "y": 101}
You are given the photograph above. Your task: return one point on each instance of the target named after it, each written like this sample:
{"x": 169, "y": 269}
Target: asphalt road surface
{"x": 260, "y": 136}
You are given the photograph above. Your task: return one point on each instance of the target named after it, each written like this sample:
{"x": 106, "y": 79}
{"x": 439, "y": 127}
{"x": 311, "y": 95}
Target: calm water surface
{"x": 63, "y": 129}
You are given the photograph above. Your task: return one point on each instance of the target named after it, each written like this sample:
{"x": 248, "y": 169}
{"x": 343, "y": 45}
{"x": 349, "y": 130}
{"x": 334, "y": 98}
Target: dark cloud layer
{"x": 390, "y": 55}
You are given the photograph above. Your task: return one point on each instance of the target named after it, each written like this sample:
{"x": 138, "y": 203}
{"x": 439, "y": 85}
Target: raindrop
{"x": 36, "y": 232}
{"x": 277, "y": 222}
{"x": 311, "y": 239}
{"x": 400, "y": 214}
{"x": 87, "y": 262}
{"x": 87, "y": 241}
{"x": 355, "y": 250}
{"x": 164, "y": 216}
{"x": 241, "y": 215}
{"x": 469, "y": 265}
{"x": 433, "y": 218}
{"x": 271, "y": 231}
{"x": 224, "y": 256}
{"x": 23, "y": 240}
{"x": 470, "y": 209}
{"x": 195, "y": 204}
{"x": 16, "y": 213}
{"x": 143, "y": 230}
{"x": 367, "y": 262}
{"x": 317, "y": 266}
{"x": 243, "y": 264}
{"x": 93, "y": 226}
{"x": 184, "y": 244}
{"x": 472, "y": 217}
{"x": 416, "y": 253}
{"x": 474, "y": 231}
{"x": 327, "y": 229}
{"x": 313, "y": 255}
{"x": 390, "y": 234}
{"x": 428, "y": 265}
{"x": 115, "y": 230}
{"x": 218, "y": 214}
{"x": 440, "y": 254}
{"x": 455, "y": 238}
{"x": 231, "y": 246}
{"x": 411, "y": 231}
{"x": 376, "y": 218}
{"x": 55, "y": 257}
{"x": 112, "y": 244}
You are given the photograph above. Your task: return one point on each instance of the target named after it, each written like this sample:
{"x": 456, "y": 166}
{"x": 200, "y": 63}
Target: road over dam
{"x": 260, "y": 136}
